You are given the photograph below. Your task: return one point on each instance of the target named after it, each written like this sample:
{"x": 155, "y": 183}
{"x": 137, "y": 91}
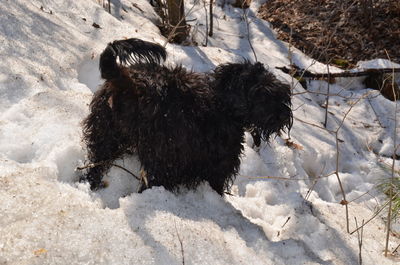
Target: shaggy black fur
{"x": 185, "y": 127}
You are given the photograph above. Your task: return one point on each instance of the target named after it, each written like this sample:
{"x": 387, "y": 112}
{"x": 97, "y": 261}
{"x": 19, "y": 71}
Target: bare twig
{"x": 375, "y": 214}
{"x": 283, "y": 178}
{"x": 389, "y": 217}
{"x": 205, "y": 9}
{"x": 376, "y": 114}
{"x": 395, "y": 250}
{"x": 181, "y": 243}
{"x": 360, "y": 240}
{"x": 327, "y": 97}
{"x": 363, "y": 194}
{"x": 312, "y": 124}
{"x": 344, "y": 201}
{"x": 246, "y": 20}
{"x": 304, "y": 73}
{"x": 333, "y": 95}
{"x": 126, "y": 170}
{"x": 287, "y": 220}
{"x": 211, "y": 19}
{"x": 92, "y": 165}
{"x": 315, "y": 183}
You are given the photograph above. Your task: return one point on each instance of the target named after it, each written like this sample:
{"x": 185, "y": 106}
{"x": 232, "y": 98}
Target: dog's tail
{"x": 130, "y": 51}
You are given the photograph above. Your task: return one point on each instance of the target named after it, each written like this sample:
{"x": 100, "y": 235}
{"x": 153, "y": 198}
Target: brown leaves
{"x": 337, "y": 31}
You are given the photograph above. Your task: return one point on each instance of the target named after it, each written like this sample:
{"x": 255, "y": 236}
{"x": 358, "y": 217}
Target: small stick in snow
{"x": 360, "y": 239}
{"x": 181, "y": 243}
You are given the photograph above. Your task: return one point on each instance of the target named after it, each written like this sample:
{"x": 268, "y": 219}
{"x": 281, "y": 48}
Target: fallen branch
{"x": 92, "y": 165}
{"x": 304, "y": 73}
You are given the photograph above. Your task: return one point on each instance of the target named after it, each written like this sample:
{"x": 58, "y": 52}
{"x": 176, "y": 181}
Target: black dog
{"x": 185, "y": 127}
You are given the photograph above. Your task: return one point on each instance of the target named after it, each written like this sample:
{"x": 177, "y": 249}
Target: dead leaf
{"x": 39, "y": 251}
{"x": 293, "y": 145}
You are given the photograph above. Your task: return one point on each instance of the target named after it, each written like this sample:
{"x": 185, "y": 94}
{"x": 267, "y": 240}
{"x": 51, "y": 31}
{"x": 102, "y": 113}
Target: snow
{"x": 284, "y": 208}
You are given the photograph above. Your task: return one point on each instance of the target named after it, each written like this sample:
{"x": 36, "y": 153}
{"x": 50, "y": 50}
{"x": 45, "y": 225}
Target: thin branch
{"x": 389, "y": 217}
{"x": 360, "y": 240}
{"x": 304, "y": 73}
{"x": 92, "y": 165}
{"x": 314, "y": 183}
{"x": 332, "y": 95}
{"x": 283, "y": 178}
{"x": 327, "y": 97}
{"x": 211, "y": 19}
{"x": 245, "y": 18}
{"x": 126, "y": 170}
{"x": 337, "y": 162}
{"x": 205, "y": 12}
{"x": 376, "y": 114}
{"x": 312, "y": 124}
{"x": 181, "y": 243}
{"x": 375, "y": 214}
{"x": 395, "y": 250}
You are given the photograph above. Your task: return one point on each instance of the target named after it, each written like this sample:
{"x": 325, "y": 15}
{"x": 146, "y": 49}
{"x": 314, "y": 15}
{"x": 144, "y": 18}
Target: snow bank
{"x": 48, "y": 73}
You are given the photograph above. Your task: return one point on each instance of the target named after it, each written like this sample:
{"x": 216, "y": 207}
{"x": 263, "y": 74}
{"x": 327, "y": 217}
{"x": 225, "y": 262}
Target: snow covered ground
{"x": 284, "y": 209}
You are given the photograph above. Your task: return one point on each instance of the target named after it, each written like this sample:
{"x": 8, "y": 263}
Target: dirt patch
{"x": 338, "y": 32}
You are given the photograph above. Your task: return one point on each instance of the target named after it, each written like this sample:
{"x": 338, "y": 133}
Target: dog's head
{"x": 253, "y": 97}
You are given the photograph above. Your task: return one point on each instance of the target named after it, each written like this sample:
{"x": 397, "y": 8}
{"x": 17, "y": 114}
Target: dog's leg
{"x": 104, "y": 141}
{"x": 221, "y": 176}
{"x": 217, "y": 183}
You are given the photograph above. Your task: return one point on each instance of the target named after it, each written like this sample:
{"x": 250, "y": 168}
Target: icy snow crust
{"x": 48, "y": 73}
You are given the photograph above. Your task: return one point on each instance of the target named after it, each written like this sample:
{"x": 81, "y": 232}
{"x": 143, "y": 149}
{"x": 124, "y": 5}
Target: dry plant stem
{"x": 337, "y": 162}
{"x": 336, "y": 133}
{"x": 365, "y": 193}
{"x": 312, "y": 124}
{"x": 341, "y": 185}
{"x": 290, "y": 57}
{"x": 211, "y": 19}
{"x": 283, "y": 178}
{"x": 376, "y": 115}
{"x": 327, "y": 98}
{"x": 389, "y": 217}
{"x": 375, "y": 214}
{"x": 181, "y": 243}
{"x": 395, "y": 250}
{"x": 246, "y": 20}
{"x": 318, "y": 76}
{"x": 360, "y": 240}
{"x": 92, "y": 165}
{"x": 314, "y": 183}
{"x": 332, "y": 95}
{"x": 126, "y": 170}
{"x": 205, "y": 9}
{"x": 311, "y": 189}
